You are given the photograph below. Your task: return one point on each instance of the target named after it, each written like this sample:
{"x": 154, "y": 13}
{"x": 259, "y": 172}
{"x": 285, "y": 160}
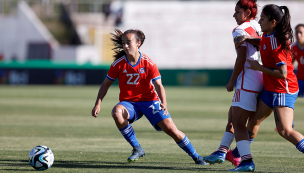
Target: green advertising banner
{"x": 48, "y": 72}
{"x": 196, "y": 77}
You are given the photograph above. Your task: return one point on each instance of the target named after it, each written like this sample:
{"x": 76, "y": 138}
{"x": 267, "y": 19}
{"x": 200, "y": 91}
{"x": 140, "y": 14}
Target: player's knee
{"x": 284, "y": 132}
{"x": 117, "y": 114}
{"x": 237, "y": 125}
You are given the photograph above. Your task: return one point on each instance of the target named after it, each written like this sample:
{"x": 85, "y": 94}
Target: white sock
{"x": 226, "y": 142}
{"x": 244, "y": 149}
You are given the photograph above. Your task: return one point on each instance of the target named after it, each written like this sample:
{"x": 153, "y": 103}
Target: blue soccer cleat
{"x": 200, "y": 160}
{"x": 137, "y": 152}
{"x": 215, "y": 157}
{"x": 244, "y": 167}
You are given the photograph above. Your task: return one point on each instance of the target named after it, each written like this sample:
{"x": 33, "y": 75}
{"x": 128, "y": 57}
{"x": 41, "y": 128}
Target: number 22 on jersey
{"x": 133, "y": 78}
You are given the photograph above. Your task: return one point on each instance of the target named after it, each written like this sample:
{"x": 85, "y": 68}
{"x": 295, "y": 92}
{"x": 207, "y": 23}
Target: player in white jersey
{"x": 248, "y": 81}
{"x": 249, "y": 85}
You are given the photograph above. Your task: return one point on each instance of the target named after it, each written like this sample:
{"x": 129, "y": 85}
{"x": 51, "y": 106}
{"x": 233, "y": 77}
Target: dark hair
{"x": 117, "y": 41}
{"x": 301, "y": 24}
{"x": 249, "y": 4}
{"x": 284, "y": 31}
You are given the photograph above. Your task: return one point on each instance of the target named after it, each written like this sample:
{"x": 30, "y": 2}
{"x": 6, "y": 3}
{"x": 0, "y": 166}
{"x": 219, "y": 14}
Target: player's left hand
{"x": 164, "y": 107}
{"x": 254, "y": 65}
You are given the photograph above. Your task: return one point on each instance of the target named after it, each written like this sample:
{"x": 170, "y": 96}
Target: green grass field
{"x": 59, "y": 117}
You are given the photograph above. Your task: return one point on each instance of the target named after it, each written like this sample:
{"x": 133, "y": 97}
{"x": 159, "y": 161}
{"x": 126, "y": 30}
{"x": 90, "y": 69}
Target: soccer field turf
{"x": 59, "y": 117}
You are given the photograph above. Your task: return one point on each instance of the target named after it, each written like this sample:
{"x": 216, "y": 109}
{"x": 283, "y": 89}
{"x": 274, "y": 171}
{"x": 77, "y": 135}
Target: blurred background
{"x": 67, "y": 42}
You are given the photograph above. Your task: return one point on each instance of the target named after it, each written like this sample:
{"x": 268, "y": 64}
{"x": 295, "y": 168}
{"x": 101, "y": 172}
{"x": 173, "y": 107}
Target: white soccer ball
{"x": 41, "y": 157}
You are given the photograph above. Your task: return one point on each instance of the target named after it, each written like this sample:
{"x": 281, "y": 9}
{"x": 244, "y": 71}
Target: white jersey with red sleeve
{"x": 273, "y": 56}
{"x": 135, "y": 82}
{"x": 249, "y": 80}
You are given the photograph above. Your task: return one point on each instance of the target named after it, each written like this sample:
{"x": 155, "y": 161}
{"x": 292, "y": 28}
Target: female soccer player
{"x": 281, "y": 86}
{"x": 298, "y": 50}
{"x": 138, "y": 76}
{"x": 248, "y": 87}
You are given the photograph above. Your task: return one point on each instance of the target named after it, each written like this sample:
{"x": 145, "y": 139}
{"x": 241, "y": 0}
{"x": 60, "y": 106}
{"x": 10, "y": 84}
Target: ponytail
{"x": 117, "y": 41}
{"x": 286, "y": 36}
{"x": 284, "y": 31}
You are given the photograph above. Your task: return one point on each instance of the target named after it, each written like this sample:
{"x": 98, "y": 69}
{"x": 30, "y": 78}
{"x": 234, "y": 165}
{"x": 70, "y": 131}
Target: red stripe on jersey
{"x": 252, "y": 32}
{"x": 235, "y": 95}
{"x": 239, "y": 25}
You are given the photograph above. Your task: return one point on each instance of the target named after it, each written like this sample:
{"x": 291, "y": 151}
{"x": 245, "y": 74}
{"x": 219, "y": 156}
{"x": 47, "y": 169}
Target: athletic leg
{"x": 168, "y": 126}
{"x": 283, "y": 119}
{"x": 220, "y": 154}
{"x": 259, "y": 116}
{"x": 239, "y": 120}
{"x": 121, "y": 117}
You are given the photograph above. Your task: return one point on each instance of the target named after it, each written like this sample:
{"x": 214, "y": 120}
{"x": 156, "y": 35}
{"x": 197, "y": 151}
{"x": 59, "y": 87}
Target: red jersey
{"x": 273, "y": 56}
{"x": 299, "y": 56}
{"x": 135, "y": 82}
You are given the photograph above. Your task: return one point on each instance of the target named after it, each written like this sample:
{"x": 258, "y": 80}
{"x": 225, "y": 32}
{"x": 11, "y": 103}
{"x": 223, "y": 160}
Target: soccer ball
{"x": 41, "y": 157}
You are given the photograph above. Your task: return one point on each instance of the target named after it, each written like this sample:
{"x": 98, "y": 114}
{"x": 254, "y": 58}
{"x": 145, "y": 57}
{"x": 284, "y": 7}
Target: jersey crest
{"x": 142, "y": 70}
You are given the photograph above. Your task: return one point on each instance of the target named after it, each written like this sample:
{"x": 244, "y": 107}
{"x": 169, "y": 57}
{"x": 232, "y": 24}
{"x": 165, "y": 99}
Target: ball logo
{"x": 264, "y": 47}
{"x": 142, "y": 70}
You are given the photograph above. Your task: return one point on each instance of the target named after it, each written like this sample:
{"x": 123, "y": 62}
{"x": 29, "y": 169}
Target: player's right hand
{"x": 230, "y": 86}
{"x": 239, "y": 40}
{"x": 95, "y": 111}
{"x": 164, "y": 107}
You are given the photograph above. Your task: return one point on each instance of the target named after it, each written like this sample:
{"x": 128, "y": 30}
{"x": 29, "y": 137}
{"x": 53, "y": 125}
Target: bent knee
{"x": 238, "y": 125}
{"x": 119, "y": 112}
{"x": 285, "y": 131}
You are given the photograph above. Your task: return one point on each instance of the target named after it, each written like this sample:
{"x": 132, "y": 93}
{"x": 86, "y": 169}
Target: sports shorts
{"x": 245, "y": 100}
{"x": 272, "y": 99}
{"x": 151, "y": 109}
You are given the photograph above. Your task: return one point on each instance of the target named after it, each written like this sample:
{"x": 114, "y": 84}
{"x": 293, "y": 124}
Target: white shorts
{"x": 245, "y": 100}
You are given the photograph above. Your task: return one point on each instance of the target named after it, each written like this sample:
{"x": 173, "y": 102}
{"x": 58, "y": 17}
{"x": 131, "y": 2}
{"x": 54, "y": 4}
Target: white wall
{"x": 195, "y": 34}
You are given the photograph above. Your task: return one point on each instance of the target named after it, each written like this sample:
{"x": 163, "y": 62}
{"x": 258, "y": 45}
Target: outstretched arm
{"x": 239, "y": 40}
{"x": 101, "y": 94}
{"x": 160, "y": 89}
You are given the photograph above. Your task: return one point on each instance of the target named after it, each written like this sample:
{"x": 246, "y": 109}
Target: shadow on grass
{"x": 20, "y": 165}
{"x": 126, "y": 165}
{"x": 109, "y": 165}
{"x": 138, "y": 165}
